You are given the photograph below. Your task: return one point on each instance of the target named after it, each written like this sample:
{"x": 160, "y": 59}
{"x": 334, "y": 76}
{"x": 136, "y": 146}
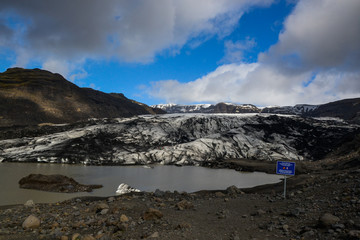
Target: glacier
{"x": 181, "y": 139}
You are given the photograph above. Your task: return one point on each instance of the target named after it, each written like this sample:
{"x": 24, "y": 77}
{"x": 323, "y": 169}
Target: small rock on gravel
{"x": 31, "y": 222}
{"x": 124, "y": 218}
{"x": 354, "y": 234}
{"x": 88, "y": 237}
{"x": 152, "y": 214}
{"x": 159, "y": 193}
{"x": 76, "y": 236}
{"x": 29, "y": 203}
{"x": 184, "y": 204}
{"x": 328, "y": 219}
{"x": 154, "y": 235}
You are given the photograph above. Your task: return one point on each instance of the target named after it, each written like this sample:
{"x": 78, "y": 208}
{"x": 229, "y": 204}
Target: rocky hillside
{"x": 347, "y": 109}
{"x": 299, "y": 109}
{"x": 36, "y": 96}
{"x": 191, "y": 139}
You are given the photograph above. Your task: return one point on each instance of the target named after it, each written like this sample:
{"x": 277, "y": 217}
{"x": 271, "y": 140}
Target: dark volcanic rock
{"x": 30, "y": 97}
{"x": 233, "y": 108}
{"x": 54, "y": 183}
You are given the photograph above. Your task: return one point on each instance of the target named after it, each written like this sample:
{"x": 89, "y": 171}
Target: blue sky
{"x": 264, "y": 52}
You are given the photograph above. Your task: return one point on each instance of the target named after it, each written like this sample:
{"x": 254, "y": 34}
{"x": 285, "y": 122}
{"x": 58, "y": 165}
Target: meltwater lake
{"x": 186, "y": 178}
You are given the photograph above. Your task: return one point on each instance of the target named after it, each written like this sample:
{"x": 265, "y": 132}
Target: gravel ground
{"x": 319, "y": 205}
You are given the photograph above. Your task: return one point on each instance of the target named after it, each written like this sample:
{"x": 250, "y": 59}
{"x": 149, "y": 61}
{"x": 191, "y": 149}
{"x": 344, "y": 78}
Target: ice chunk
{"x": 125, "y": 188}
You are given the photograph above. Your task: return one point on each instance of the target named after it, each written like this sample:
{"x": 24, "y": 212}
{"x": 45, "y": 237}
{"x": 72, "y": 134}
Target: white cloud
{"x": 261, "y": 85}
{"x": 57, "y": 66}
{"x": 93, "y": 86}
{"x": 234, "y": 51}
{"x": 316, "y": 60}
{"x": 70, "y": 70}
{"x": 319, "y": 34}
{"x": 220, "y": 85}
{"x": 132, "y": 31}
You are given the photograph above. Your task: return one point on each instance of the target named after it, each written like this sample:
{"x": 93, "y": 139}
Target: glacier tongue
{"x": 185, "y": 139}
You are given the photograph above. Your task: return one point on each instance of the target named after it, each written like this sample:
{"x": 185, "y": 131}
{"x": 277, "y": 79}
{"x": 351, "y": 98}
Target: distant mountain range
{"x": 236, "y": 108}
{"x": 348, "y": 109}
{"x": 35, "y": 96}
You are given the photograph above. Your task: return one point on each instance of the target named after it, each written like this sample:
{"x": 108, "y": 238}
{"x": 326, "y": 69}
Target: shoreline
{"x": 252, "y": 213}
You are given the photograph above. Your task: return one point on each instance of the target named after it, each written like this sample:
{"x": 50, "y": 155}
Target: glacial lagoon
{"x": 163, "y": 177}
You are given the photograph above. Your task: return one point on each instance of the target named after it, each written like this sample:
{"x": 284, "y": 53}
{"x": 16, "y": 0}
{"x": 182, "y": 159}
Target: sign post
{"x": 285, "y": 168}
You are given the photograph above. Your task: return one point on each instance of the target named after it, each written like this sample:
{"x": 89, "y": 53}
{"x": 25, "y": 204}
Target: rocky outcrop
{"x": 182, "y": 139}
{"x": 54, "y": 183}
{"x": 30, "y": 97}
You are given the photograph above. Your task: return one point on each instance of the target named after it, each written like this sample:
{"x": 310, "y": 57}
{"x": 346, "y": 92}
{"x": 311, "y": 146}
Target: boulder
{"x": 31, "y": 222}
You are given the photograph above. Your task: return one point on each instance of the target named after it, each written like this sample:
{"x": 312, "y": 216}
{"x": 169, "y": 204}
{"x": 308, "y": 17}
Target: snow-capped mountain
{"x": 178, "y": 108}
{"x": 347, "y": 109}
{"x": 185, "y": 139}
{"x": 299, "y": 109}
{"x": 208, "y": 108}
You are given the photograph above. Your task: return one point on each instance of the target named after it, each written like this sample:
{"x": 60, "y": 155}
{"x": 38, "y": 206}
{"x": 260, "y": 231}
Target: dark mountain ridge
{"x": 347, "y": 109}
{"x": 34, "y": 96}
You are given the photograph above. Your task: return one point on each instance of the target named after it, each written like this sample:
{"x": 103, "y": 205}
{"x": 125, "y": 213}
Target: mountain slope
{"x": 38, "y": 96}
{"x": 347, "y": 109}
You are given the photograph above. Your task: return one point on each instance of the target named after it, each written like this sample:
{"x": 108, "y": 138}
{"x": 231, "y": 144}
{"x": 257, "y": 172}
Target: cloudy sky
{"x": 264, "y": 52}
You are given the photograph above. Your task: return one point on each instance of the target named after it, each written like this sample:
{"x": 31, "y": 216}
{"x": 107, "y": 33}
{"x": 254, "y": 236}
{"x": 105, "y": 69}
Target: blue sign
{"x": 285, "y": 168}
